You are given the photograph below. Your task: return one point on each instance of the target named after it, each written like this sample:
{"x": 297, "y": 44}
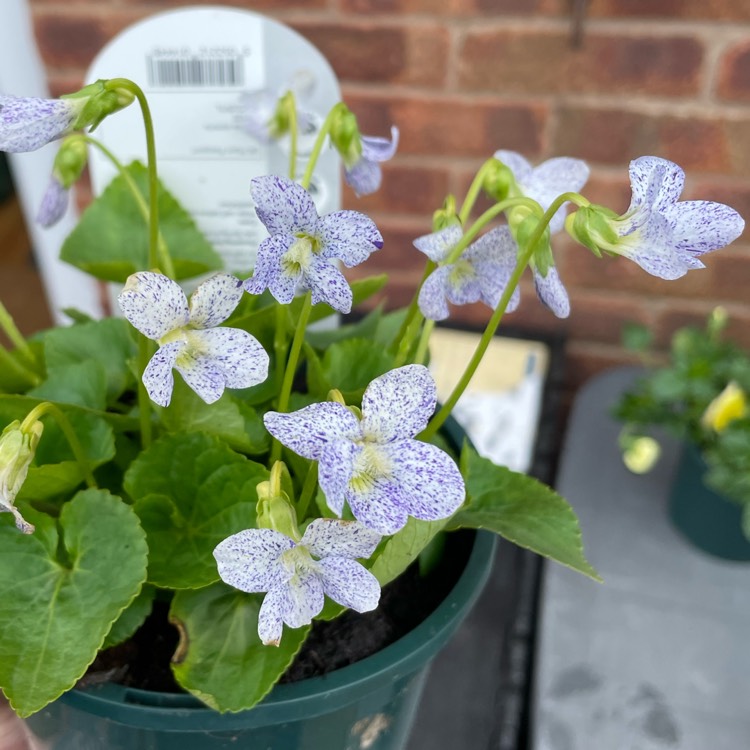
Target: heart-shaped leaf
{"x": 191, "y": 491}
{"x": 61, "y": 596}
{"x": 521, "y": 509}
{"x": 221, "y": 659}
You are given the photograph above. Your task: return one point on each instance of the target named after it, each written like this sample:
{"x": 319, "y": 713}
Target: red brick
{"x": 600, "y": 316}
{"x": 711, "y": 10}
{"x": 695, "y": 314}
{"x": 405, "y": 189}
{"x": 531, "y": 61}
{"x": 373, "y": 52}
{"x": 455, "y": 7}
{"x": 585, "y": 360}
{"x": 442, "y": 125}
{"x": 398, "y": 252}
{"x": 734, "y": 73}
{"x": 613, "y": 136}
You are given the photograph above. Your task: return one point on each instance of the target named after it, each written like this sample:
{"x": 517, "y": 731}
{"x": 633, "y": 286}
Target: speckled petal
{"x": 330, "y": 536}
{"x": 27, "y": 124}
{"x": 702, "y": 226}
{"x": 270, "y": 619}
{"x": 259, "y": 107}
{"x": 154, "y": 304}
{"x": 651, "y": 247}
{"x": 267, "y": 270}
{"x": 303, "y": 599}
{"x": 375, "y": 148}
{"x": 493, "y": 278}
{"x": 328, "y": 285}
{"x": 237, "y": 354}
{"x": 249, "y": 560}
{"x": 655, "y": 182}
{"x": 427, "y": 478}
{"x": 54, "y": 204}
{"x": 364, "y": 177}
{"x": 349, "y": 583}
{"x": 553, "y": 178}
{"x": 379, "y": 506}
{"x": 516, "y": 163}
{"x": 496, "y": 245}
{"x": 437, "y": 246}
{"x": 283, "y": 206}
{"x": 157, "y": 377}
{"x": 335, "y": 471}
{"x": 307, "y": 431}
{"x": 432, "y": 296}
{"x": 462, "y": 288}
{"x": 398, "y": 404}
{"x": 214, "y": 300}
{"x": 349, "y": 236}
{"x": 201, "y": 373}
{"x": 552, "y": 293}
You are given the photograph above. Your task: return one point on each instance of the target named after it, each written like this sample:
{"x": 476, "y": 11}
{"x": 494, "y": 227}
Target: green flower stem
{"x": 70, "y": 435}
{"x": 11, "y": 331}
{"x": 291, "y": 368}
{"x": 279, "y": 344}
{"x": 7, "y": 361}
{"x": 308, "y": 490}
{"x": 412, "y": 310}
{"x": 474, "y": 190}
{"x": 153, "y": 192}
{"x": 293, "y": 135}
{"x": 144, "y": 402}
{"x": 424, "y": 342}
{"x": 165, "y": 260}
{"x": 318, "y": 147}
{"x": 523, "y": 260}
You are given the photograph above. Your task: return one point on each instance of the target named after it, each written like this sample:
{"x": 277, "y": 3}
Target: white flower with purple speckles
{"x": 664, "y": 236}
{"x": 27, "y": 124}
{"x": 365, "y": 175}
{"x": 302, "y": 245}
{"x": 297, "y": 575}
{"x": 375, "y": 464}
{"x": 481, "y": 272}
{"x": 208, "y": 357}
{"x": 544, "y": 183}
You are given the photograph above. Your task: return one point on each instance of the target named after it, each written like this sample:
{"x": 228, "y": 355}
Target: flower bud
{"x": 345, "y": 135}
{"x": 717, "y": 320}
{"x": 729, "y": 405}
{"x": 101, "y": 102}
{"x": 70, "y": 161}
{"x": 274, "y": 509}
{"x": 445, "y": 216}
{"x": 17, "y": 449}
{"x": 498, "y": 180}
{"x": 640, "y": 453}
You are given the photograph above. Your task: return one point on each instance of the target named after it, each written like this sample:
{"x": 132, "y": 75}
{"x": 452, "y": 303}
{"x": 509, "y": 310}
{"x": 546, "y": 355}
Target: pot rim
{"x": 306, "y": 698}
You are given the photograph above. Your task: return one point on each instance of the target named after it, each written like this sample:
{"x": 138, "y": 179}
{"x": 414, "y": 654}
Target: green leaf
{"x": 400, "y": 550}
{"x": 191, "y": 491}
{"x": 235, "y": 422}
{"x": 80, "y": 383}
{"x": 522, "y": 510}
{"x": 131, "y": 618}
{"x": 108, "y": 342}
{"x": 111, "y": 239}
{"x": 362, "y": 329}
{"x": 55, "y": 470}
{"x": 57, "y": 611}
{"x": 221, "y": 659}
{"x": 349, "y": 366}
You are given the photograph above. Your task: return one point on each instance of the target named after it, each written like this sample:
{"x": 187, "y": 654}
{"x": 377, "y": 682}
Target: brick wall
{"x": 463, "y": 78}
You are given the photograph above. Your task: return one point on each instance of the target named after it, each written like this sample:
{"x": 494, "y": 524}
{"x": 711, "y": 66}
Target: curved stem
{"x": 424, "y": 342}
{"x": 318, "y": 147}
{"x": 144, "y": 402}
{"x": 153, "y": 178}
{"x": 293, "y": 135}
{"x": 7, "y": 361}
{"x": 291, "y": 368}
{"x": 75, "y": 445}
{"x": 16, "y": 337}
{"x": 523, "y": 260}
{"x": 474, "y": 190}
{"x": 411, "y": 311}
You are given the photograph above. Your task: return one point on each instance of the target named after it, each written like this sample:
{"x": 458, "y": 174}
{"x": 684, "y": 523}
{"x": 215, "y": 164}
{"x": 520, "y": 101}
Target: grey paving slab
{"x": 656, "y": 657}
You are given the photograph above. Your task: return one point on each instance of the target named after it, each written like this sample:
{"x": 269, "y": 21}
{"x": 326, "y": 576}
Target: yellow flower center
{"x": 371, "y": 464}
{"x": 297, "y": 259}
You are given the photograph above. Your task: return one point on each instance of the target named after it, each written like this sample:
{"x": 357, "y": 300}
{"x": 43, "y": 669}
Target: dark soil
{"x": 143, "y": 660}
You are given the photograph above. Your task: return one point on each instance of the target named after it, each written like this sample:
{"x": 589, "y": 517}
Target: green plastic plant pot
{"x": 370, "y": 704}
{"x": 709, "y": 520}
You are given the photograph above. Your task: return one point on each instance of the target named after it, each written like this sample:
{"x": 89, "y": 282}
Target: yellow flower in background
{"x": 729, "y": 405}
{"x": 640, "y": 453}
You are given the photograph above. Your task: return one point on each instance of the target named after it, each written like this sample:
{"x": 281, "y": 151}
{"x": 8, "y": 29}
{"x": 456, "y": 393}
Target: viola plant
{"x": 285, "y": 474}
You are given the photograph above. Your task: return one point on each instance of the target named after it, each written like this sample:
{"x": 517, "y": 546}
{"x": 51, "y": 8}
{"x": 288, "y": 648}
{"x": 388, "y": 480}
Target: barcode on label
{"x": 196, "y": 71}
